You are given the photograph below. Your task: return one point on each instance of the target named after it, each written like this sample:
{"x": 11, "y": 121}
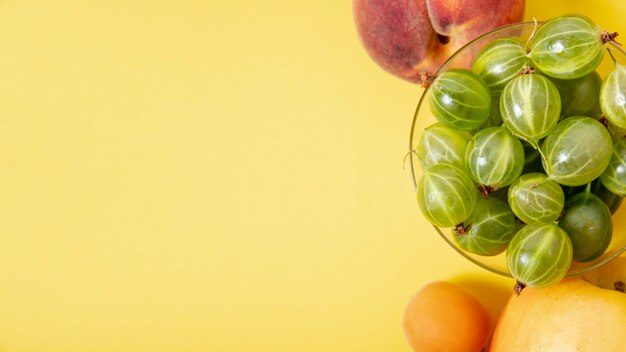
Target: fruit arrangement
{"x": 527, "y": 155}
{"x": 524, "y": 168}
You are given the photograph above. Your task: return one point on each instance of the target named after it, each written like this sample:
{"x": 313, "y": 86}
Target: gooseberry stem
{"x": 413, "y": 151}
{"x": 536, "y": 147}
{"x": 604, "y": 121}
{"x": 606, "y": 36}
{"x": 530, "y": 37}
{"x": 485, "y": 190}
{"x": 526, "y": 70}
{"x": 611, "y": 55}
{"x": 543, "y": 157}
{"x": 535, "y": 185}
{"x": 460, "y": 229}
{"x": 427, "y": 78}
{"x": 519, "y": 286}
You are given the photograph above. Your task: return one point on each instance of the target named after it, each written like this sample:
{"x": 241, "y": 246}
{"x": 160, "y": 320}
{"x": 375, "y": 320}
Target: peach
{"x": 411, "y": 36}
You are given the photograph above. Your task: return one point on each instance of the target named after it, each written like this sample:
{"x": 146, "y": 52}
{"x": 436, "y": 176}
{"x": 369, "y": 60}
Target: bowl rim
{"x": 443, "y": 67}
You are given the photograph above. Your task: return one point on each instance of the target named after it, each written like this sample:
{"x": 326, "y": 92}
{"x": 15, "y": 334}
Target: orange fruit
{"x": 442, "y": 316}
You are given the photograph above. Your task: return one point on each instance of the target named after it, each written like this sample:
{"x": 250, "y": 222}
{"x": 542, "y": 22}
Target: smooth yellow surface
{"x": 210, "y": 176}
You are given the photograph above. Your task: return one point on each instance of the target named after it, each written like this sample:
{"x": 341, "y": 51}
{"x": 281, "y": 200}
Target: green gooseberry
{"x": 539, "y": 255}
{"x": 440, "y": 144}
{"x": 500, "y": 61}
{"x": 567, "y": 47}
{"x": 613, "y": 96}
{"x": 587, "y": 221}
{"x": 446, "y": 195}
{"x": 577, "y": 151}
{"x": 488, "y": 230}
{"x": 534, "y": 198}
{"x": 494, "y": 157}
{"x": 460, "y": 99}
{"x": 580, "y": 96}
{"x": 530, "y": 106}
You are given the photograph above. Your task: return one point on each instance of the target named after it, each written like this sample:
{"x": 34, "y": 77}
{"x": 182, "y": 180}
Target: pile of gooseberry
{"x": 528, "y": 153}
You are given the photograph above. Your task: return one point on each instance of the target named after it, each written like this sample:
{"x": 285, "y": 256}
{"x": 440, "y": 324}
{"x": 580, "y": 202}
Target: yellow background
{"x": 211, "y": 176}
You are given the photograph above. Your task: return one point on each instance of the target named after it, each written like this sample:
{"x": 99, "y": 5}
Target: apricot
{"x": 442, "y": 316}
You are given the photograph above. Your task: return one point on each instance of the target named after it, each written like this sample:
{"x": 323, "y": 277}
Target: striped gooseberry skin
{"x": 580, "y": 96}
{"x": 534, "y": 198}
{"x": 500, "y": 61}
{"x": 460, "y": 99}
{"x": 540, "y": 254}
{"x": 440, "y": 144}
{"x": 446, "y": 195}
{"x": 567, "y": 47}
{"x": 530, "y": 106}
{"x": 577, "y": 151}
{"x": 614, "y": 176}
{"x": 489, "y": 229}
{"x": 587, "y": 221}
{"x": 613, "y": 96}
{"x": 494, "y": 157}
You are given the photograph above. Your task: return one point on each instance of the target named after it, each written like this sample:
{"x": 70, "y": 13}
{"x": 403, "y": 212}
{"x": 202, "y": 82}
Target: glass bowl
{"x": 423, "y": 118}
